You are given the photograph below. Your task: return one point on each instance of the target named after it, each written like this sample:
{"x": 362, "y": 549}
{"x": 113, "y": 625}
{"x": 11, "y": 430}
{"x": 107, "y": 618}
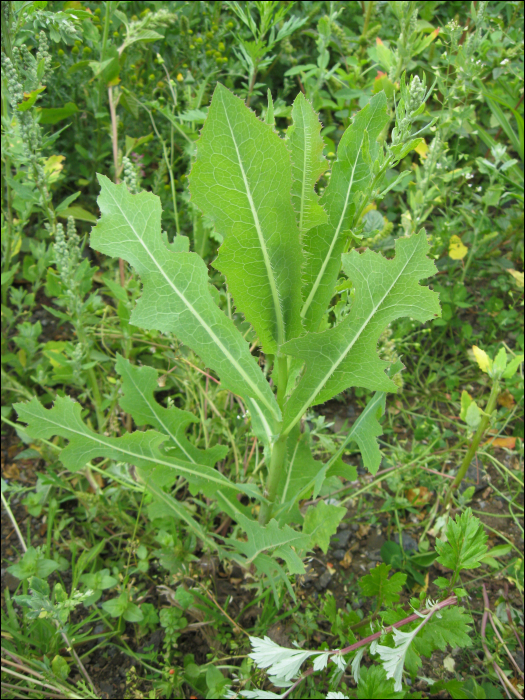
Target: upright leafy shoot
{"x": 281, "y": 254}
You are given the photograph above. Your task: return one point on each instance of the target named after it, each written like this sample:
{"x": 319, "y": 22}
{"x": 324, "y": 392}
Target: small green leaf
{"x": 54, "y": 115}
{"x": 466, "y": 401}
{"x": 473, "y": 416}
{"x": 60, "y": 667}
{"x": 33, "y": 563}
{"x": 66, "y": 202}
{"x": 78, "y": 213}
{"x": 377, "y": 583}
{"x": 133, "y": 613}
{"x": 116, "y": 606}
{"x": 452, "y": 627}
{"x": 441, "y": 582}
{"x": 500, "y": 551}
{"x": 374, "y": 685}
{"x": 30, "y": 99}
{"x": 466, "y": 544}
{"x": 320, "y": 522}
{"x": 512, "y": 367}
{"x": 500, "y": 363}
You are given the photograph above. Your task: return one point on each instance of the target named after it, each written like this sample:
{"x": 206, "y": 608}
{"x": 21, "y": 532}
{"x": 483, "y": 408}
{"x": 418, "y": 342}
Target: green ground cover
{"x": 262, "y": 349}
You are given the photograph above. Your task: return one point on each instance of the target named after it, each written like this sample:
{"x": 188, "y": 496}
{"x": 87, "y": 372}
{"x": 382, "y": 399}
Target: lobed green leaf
{"x": 176, "y": 298}
{"x": 377, "y": 583}
{"x": 466, "y": 543}
{"x": 351, "y": 176}
{"x": 142, "y": 449}
{"x": 308, "y": 164}
{"x": 241, "y": 179}
{"x": 138, "y": 386}
{"x": 346, "y": 355}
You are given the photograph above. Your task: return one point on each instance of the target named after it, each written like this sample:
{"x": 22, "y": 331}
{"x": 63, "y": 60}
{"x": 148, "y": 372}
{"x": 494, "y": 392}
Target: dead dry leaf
{"x": 363, "y": 531}
{"x": 347, "y": 560}
{"x": 506, "y": 399}
{"x": 419, "y": 497}
{"x": 11, "y": 471}
{"x": 508, "y": 442}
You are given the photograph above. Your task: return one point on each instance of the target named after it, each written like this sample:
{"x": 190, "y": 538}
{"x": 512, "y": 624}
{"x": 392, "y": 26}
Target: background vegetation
{"x": 136, "y": 605}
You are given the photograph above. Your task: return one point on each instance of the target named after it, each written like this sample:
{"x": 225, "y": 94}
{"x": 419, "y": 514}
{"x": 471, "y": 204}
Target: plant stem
{"x": 13, "y": 522}
{"x": 252, "y": 83}
{"x": 368, "y": 13}
{"x": 452, "y": 600}
{"x": 9, "y": 199}
{"x": 282, "y": 379}
{"x": 170, "y": 172}
{"x": 114, "y": 132}
{"x": 274, "y": 474}
{"x": 114, "y": 141}
{"x": 92, "y": 381}
{"x": 491, "y": 405}
{"x": 79, "y": 663}
{"x": 107, "y": 17}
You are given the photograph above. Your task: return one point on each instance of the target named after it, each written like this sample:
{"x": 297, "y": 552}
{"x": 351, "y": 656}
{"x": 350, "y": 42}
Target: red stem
{"x": 509, "y": 616}
{"x": 444, "y": 604}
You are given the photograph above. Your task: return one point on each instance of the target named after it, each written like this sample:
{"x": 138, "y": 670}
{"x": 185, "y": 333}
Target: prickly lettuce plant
{"x": 282, "y": 253}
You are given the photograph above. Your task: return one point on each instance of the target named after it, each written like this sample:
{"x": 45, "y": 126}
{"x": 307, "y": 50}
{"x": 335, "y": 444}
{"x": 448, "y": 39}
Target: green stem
{"x": 13, "y": 522}
{"x": 6, "y": 30}
{"x": 252, "y": 83}
{"x": 282, "y": 379}
{"x": 97, "y": 397}
{"x": 170, "y": 172}
{"x": 107, "y": 17}
{"x": 368, "y": 15}
{"x": 274, "y": 475}
{"x": 92, "y": 381}
{"x": 491, "y": 405}
{"x": 9, "y": 217}
{"x": 473, "y": 244}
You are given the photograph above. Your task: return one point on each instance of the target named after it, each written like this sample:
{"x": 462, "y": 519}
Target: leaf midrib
{"x": 343, "y": 355}
{"x": 196, "y": 314}
{"x": 305, "y": 167}
{"x": 93, "y": 437}
{"x": 262, "y": 242}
